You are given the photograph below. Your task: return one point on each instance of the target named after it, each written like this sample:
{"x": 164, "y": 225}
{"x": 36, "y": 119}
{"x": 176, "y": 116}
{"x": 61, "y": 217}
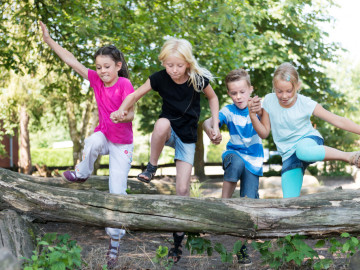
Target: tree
{"x": 225, "y": 35}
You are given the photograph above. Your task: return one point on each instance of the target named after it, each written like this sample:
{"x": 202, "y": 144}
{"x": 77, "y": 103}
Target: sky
{"x": 346, "y": 28}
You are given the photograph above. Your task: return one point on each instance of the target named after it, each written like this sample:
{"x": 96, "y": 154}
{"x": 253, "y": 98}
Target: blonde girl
{"x": 287, "y": 113}
{"x": 111, "y": 85}
{"x": 179, "y": 86}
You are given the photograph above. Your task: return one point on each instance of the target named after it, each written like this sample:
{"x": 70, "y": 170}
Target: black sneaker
{"x": 244, "y": 261}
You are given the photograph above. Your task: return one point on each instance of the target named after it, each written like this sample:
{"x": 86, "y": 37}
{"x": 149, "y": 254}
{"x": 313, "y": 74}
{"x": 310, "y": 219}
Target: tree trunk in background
{"x": 74, "y": 133}
{"x": 199, "y": 164}
{"x": 25, "y": 165}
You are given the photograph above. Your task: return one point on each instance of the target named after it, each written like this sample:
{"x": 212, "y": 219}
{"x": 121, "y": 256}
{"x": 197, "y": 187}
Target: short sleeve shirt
{"x": 181, "y": 105}
{"x": 109, "y": 100}
{"x": 244, "y": 141}
{"x": 289, "y": 125}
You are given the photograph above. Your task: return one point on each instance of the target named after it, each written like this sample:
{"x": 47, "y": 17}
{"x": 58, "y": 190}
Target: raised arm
{"x": 336, "y": 120}
{"x": 214, "y": 109}
{"x": 64, "y": 54}
{"x": 262, "y": 126}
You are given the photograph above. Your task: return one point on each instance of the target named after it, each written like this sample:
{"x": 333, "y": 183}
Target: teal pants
{"x": 307, "y": 150}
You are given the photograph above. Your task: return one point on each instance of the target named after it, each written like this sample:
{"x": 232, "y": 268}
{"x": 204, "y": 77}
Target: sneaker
{"x": 70, "y": 176}
{"x": 244, "y": 261}
{"x": 112, "y": 255}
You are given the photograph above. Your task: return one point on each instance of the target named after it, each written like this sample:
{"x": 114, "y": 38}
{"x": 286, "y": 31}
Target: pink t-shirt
{"x": 109, "y": 100}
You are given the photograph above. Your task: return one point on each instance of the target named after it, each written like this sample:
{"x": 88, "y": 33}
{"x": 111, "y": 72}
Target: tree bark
{"x": 199, "y": 164}
{"x": 24, "y": 148}
{"x": 17, "y": 234}
{"x": 315, "y": 214}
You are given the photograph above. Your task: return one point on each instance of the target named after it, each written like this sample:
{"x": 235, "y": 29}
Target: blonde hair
{"x": 287, "y": 72}
{"x": 237, "y": 75}
{"x": 182, "y": 48}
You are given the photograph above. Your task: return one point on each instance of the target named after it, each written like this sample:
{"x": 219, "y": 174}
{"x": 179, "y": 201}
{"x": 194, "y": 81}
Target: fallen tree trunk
{"x": 316, "y": 214}
{"x": 101, "y": 183}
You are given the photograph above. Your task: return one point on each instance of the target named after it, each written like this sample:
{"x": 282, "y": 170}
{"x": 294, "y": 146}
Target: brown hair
{"x": 237, "y": 75}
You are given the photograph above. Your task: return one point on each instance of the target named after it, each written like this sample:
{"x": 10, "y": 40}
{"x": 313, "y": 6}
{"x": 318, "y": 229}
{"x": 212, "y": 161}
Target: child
{"x": 179, "y": 86}
{"x": 111, "y": 86}
{"x": 287, "y": 113}
{"x": 243, "y": 158}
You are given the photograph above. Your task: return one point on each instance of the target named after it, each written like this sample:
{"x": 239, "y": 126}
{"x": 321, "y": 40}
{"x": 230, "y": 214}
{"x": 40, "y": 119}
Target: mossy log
{"x": 316, "y": 214}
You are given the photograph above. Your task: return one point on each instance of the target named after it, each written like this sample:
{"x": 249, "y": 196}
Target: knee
{"x": 182, "y": 191}
{"x": 162, "y": 127}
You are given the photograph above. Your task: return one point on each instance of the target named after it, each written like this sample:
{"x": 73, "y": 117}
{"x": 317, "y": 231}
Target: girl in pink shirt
{"x": 111, "y": 137}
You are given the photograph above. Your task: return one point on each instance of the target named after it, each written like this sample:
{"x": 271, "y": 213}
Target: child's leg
{"x": 310, "y": 151}
{"x": 183, "y": 177}
{"x": 228, "y": 189}
{"x": 291, "y": 182}
{"x": 249, "y": 184}
{"x": 120, "y": 157}
{"x": 95, "y": 145}
{"x": 161, "y": 133}
{"x": 233, "y": 167}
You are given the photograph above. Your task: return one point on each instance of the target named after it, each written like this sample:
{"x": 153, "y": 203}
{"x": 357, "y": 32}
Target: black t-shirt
{"x": 181, "y": 104}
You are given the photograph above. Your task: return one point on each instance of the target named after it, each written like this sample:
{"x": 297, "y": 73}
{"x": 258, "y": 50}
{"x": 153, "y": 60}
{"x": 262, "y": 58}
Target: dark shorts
{"x": 293, "y": 162}
{"x": 235, "y": 170}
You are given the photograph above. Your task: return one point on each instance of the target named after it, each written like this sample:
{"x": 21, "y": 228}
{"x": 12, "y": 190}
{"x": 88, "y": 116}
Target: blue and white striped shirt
{"x": 244, "y": 141}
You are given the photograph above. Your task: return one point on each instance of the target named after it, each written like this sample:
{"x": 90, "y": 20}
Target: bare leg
{"x": 161, "y": 133}
{"x": 335, "y": 154}
{"x": 228, "y": 189}
{"x": 183, "y": 175}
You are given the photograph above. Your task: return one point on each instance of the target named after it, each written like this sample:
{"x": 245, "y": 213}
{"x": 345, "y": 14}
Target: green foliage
{"x": 56, "y": 253}
{"x": 195, "y": 189}
{"x": 198, "y": 245}
{"x": 291, "y": 250}
{"x": 161, "y": 258}
{"x": 52, "y": 157}
{"x": 285, "y": 251}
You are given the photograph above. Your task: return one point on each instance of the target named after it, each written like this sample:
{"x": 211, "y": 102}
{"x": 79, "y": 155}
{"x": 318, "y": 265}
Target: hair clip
{"x": 288, "y": 78}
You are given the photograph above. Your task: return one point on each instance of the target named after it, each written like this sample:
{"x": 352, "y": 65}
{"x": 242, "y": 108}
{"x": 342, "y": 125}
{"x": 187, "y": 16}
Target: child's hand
{"x": 118, "y": 116}
{"x": 215, "y": 136}
{"x": 254, "y": 105}
{"x": 45, "y": 31}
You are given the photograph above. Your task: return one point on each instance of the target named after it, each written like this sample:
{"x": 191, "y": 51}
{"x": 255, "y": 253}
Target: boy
{"x": 243, "y": 158}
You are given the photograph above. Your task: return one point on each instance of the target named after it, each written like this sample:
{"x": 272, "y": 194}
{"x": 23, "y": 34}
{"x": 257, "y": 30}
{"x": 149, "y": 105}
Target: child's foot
{"x": 243, "y": 257}
{"x": 70, "y": 176}
{"x": 113, "y": 253}
{"x": 176, "y": 252}
{"x": 355, "y": 159}
{"x": 148, "y": 174}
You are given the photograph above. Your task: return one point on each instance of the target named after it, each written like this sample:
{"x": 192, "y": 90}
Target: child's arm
{"x": 262, "y": 126}
{"x": 256, "y": 106}
{"x": 64, "y": 54}
{"x": 336, "y": 120}
{"x": 128, "y": 116}
{"x": 129, "y": 102}
{"x": 207, "y": 127}
{"x": 214, "y": 108}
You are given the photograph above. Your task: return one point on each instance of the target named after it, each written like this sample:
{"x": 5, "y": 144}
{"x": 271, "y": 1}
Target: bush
{"x": 52, "y": 157}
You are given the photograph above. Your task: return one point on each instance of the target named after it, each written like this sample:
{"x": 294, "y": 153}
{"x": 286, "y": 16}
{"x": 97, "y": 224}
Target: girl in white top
{"x": 287, "y": 113}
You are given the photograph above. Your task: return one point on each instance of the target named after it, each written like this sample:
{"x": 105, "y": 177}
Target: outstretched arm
{"x": 262, "y": 126}
{"x": 336, "y": 120}
{"x": 214, "y": 108}
{"x": 129, "y": 102}
{"x": 64, "y": 54}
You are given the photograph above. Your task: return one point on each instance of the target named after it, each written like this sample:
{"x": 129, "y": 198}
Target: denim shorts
{"x": 235, "y": 169}
{"x": 293, "y": 162}
{"x": 183, "y": 151}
